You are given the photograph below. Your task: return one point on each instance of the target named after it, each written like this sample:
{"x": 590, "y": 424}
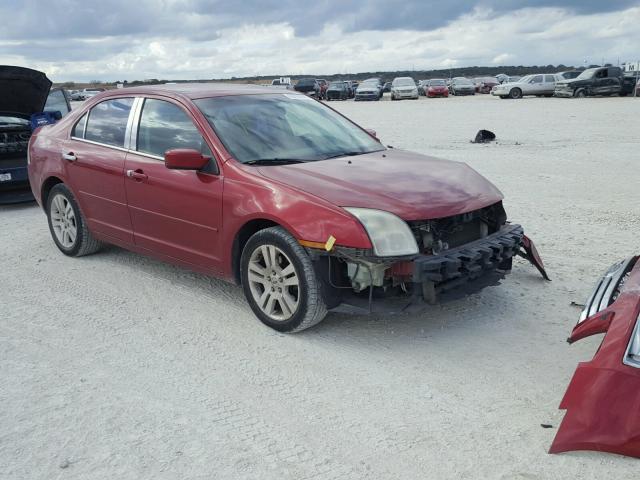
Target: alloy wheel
{"x": 63, "y": 221}
{"x": 274, "y": 282}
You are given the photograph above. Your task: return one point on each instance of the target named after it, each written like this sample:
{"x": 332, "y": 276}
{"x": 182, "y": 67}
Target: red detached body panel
{"x": 603, "y": 398}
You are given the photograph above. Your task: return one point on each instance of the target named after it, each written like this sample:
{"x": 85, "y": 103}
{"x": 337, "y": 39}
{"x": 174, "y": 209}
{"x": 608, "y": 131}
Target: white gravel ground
{"x": 116, "y": 366}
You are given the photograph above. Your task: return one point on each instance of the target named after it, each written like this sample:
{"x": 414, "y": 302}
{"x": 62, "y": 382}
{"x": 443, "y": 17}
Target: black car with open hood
{"x": 23, "y": 93}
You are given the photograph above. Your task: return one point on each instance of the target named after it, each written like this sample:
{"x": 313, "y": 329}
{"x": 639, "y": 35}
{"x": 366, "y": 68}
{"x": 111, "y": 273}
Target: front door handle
{"x": 137, "y": 175}
{"x": 70, "y": 157}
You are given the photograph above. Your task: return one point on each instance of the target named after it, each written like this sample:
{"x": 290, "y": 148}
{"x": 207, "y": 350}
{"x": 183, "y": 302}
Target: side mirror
{"x": 185, "y": 159}
{"x": 372, "y": 132}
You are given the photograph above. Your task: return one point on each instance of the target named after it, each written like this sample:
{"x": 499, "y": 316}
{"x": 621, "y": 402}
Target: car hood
{"x": 410, "y": 185}
{"x": 23, "y": 91}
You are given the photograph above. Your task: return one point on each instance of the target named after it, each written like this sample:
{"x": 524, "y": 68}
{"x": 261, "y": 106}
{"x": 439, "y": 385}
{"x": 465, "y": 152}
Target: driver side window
{"x": 537, "y": 79}
{"x": 164, "y": 126}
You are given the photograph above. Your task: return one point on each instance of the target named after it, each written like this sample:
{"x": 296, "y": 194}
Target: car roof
{"x": 194, "y": 90}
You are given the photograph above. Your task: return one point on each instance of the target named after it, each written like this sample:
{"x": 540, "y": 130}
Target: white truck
{"x": 282, "y": 82}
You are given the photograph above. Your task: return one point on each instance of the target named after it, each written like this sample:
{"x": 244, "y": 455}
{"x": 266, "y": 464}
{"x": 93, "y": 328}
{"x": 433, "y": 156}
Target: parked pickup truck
{"x": 596, "y": 81}
{"x": 309, "y": 86}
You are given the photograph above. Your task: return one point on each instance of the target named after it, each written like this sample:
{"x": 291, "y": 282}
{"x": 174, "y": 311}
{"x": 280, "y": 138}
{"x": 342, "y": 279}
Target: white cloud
{"x": 523, "y": 37}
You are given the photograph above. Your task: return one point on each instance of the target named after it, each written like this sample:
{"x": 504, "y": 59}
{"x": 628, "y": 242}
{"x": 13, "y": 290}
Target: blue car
{"x": 26, "y": 100}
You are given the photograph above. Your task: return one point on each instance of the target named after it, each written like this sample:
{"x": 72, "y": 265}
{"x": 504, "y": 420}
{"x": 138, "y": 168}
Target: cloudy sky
{"x": 180, "y": 39}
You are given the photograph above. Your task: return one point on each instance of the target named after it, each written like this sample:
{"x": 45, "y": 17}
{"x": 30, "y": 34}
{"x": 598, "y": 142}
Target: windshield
{"x": 588, "y": 73}
{"x": 369, "y": 83}
{"x": 462, "y": 81}
{"x": 280, "y": 127}
{"x": 336, "y": 84}
{"x": 404, "y": 82}
{"x": 306, "y": 81}
{"x": 525, "y": 79}
{"x": 436, "y": 83}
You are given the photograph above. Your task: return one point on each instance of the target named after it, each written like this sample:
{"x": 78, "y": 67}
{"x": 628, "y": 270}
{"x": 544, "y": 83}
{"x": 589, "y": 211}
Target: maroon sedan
{"x": 437, "y": 87}
{"x": 485, "y": 84}
{"x": 271, "y": 190}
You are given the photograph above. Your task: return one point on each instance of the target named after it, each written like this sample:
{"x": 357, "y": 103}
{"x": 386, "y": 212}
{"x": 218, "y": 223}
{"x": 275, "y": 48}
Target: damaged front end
{"x": 470, "y": 250}
{"x": 602, "y": 401}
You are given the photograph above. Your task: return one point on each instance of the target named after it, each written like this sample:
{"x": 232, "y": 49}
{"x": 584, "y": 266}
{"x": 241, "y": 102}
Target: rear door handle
{"x": 138, "y": 175}
{"x": 70, "y": 157}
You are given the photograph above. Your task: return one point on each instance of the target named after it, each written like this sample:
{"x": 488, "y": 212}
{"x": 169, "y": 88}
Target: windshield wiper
{"x": 345, "y": 154}
{"x": 275, "y": 161}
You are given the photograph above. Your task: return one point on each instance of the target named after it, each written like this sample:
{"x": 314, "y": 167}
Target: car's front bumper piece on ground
{"x": 603, "y": 398}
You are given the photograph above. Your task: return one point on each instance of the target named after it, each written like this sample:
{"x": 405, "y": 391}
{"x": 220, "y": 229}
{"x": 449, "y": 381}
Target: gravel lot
{"x": 117, "y": 366}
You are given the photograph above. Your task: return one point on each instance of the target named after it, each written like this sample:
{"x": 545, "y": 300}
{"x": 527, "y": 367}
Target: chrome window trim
{"x": 631, "y": 359}
{"x": 131, "y": 132}
{"x": 122, "y": 149}
{"x": 148, "y": 155}
{"x": 134, "y": 121}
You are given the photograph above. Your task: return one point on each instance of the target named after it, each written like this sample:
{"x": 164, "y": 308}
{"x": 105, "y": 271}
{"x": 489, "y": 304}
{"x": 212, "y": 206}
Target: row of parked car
{"x": 574, "y": 83}
{"x": 84, "y": 94}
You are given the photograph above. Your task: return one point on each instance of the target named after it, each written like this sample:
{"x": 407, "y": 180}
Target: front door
{"x": 94, "y": 158}
{"x": 175, "y": 213}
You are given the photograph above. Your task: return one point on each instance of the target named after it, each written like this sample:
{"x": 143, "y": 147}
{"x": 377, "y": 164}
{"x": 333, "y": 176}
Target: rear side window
{"x": 549, "y": 78}
{"x": 78, "y": 129}
{"x": 108, "y": 121}
{"x": 165, "y": 126}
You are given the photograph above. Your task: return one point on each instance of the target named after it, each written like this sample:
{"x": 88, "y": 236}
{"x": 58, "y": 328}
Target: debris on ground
{"x": 484, "y": 136}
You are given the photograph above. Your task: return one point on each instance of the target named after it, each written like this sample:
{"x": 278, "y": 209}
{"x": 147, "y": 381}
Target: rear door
{"x": 601, "y": 82}
{"x": 94, "y": 157}
{"x": 549, "y": 85}
{"x": 175, "y": 213}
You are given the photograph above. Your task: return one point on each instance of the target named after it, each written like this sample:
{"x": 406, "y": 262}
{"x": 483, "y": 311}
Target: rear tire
{"x": 280, "y": 283}
{"x": 67, "y": 225}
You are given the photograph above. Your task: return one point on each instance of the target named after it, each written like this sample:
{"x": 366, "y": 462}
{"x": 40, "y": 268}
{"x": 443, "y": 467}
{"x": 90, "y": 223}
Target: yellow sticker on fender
{"x": 330, "y": 243}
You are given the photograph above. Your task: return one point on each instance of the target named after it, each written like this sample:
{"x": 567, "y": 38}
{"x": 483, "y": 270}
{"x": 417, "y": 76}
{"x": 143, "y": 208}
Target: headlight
{"x": 389, "y": 234}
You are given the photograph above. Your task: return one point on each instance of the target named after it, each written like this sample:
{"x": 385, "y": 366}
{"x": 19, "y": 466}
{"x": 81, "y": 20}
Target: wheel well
{"x": 243, "y": 235}
{"x": 48, "y": 184}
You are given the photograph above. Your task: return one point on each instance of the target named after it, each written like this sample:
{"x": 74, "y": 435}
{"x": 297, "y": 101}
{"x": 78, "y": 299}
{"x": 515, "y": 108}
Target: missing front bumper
{"x": 433, "y": 279}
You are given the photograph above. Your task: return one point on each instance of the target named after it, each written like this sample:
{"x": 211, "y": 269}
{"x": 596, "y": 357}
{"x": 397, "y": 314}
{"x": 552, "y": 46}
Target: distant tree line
{"x": 470, "y": 72}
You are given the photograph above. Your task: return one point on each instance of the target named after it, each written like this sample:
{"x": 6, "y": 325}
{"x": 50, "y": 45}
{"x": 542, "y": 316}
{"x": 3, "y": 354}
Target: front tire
{"x": 280, "y": 283}
{"x": 581, "y": 93}
{"x": 515, "y": 93}
{"x": 67, "y": 225}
